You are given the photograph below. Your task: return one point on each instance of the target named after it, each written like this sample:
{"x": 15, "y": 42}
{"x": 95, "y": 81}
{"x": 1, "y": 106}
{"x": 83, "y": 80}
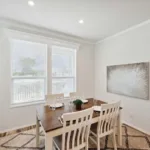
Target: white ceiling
{"x": 102, "y": 18}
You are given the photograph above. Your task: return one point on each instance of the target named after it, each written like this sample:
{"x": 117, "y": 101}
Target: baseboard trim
{"x": 17, "y": 130}
{"x": 134, "y": 127}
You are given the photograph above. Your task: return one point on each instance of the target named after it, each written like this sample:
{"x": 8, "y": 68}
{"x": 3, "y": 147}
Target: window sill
{"x": 15, "y": 105}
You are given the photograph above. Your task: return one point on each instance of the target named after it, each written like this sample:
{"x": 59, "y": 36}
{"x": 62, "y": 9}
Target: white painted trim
{"x": 27, "y": 103}
{"x": 125, "y": 31}
{"x": 15, "y": 34}
{"x": 21, "y": 26}
{"x": 137, "y": 128}
{"x": 16, "y": 128}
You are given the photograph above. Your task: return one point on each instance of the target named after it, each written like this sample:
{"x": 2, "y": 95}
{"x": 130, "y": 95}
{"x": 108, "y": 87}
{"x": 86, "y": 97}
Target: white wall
{"x": 11, "y": 118}
{"x": 129, "y": 47}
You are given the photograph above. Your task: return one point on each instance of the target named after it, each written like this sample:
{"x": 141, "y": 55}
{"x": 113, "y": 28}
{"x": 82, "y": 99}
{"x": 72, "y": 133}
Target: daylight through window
{"x": 63, "y": 70}
{"x": 28, "y": 71}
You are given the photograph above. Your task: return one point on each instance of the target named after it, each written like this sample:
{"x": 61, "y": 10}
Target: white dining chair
{"x": 72, "y": 94}
{"x": 76, "y": 127}
{"x": 51, "y": 98}
{"x": 75, "y": 95}
{"x": 106, "y": 124}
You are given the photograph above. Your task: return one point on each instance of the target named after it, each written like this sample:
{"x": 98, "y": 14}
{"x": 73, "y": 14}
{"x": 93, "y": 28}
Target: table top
{"x": 49, "y": 117}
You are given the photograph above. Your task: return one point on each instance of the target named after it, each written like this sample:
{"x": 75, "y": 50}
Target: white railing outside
{"x": 28, "y": 90}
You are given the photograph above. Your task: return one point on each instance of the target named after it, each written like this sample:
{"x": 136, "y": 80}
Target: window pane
{"x": 63, "y": 62}
{"x": 28, "y": 58}
{"x": 63, "y": 86}
{"x": 27, "y": 90}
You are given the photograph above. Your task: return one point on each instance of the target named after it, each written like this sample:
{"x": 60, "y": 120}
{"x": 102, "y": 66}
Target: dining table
{"x": 47, "y": 119}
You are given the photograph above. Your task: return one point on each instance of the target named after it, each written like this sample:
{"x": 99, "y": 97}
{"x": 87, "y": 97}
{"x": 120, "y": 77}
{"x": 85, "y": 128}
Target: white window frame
{"x": 38, "y": 101}
{"x": 31, "y": 37}
{"x": 74, "y": 77}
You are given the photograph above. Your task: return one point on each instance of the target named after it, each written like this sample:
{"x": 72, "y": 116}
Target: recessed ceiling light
{"x": 31, "y": 3}
{"x": 81, "y": 21}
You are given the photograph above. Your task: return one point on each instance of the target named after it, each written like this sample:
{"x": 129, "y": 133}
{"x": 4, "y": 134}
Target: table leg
{"x": 37, "y": 131}
{"x": 119, "y": 129}
{"x": 48, "y": 142}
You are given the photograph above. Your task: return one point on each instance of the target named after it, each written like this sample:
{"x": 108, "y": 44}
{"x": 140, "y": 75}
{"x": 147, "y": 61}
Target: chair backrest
{"x": 75, "y": 95}
{"x": 108, "y": 118}
{"x": 76, "y": 127}
{"x": 51, "y": 98}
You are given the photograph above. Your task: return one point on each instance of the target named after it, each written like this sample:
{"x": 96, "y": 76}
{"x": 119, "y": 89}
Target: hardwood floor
{"x": 132, "y": 140}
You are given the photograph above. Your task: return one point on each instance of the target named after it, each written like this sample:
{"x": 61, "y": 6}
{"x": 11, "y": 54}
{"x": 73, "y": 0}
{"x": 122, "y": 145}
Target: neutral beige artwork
{"x": 129, "y": 79}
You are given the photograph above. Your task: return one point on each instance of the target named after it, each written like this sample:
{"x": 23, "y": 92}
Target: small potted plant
{"x": 78, "y": 103}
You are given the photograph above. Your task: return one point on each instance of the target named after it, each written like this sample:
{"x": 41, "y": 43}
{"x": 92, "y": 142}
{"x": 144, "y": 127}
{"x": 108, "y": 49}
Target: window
{"x": 28, "y": 71}
{"x": 63, "y": 70}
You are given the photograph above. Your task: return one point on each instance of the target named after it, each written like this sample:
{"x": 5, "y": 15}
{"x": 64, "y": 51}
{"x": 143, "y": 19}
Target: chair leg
{"x": 86, "y": 147}
{"x": 114, "y": 141}
{"x": 98, "y": 143}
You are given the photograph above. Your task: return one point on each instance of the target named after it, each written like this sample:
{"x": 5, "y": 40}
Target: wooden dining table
{"x": 48, "y": 120}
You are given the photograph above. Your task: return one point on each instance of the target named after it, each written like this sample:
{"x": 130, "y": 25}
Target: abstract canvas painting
{"x": 129, "y": 79}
